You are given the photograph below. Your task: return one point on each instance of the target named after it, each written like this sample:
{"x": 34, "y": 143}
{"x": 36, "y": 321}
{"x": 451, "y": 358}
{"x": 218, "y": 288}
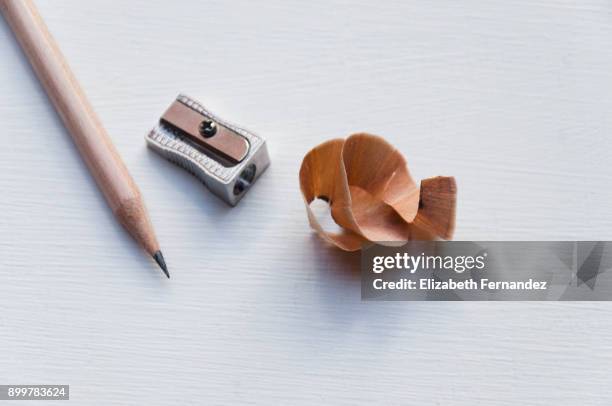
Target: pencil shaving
{"x": 372, "y": 196}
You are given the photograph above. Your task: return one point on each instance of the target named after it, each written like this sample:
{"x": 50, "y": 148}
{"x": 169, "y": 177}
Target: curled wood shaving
{"x": 372, "y": 196}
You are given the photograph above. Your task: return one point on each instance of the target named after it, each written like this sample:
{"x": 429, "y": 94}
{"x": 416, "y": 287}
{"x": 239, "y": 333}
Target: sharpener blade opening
{"x": 245, "y": 180}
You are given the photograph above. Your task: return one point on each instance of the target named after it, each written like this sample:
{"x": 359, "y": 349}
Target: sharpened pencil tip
{"x": 159, "y": 258}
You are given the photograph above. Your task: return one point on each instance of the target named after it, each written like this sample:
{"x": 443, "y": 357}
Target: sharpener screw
{"x": 208, "y": 128}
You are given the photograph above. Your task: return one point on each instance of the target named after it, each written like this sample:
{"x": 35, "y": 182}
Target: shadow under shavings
{"x": 335, "y": 262}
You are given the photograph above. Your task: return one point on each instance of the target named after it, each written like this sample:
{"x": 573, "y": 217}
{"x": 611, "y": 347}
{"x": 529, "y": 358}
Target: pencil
{"x": 90, "y": 137}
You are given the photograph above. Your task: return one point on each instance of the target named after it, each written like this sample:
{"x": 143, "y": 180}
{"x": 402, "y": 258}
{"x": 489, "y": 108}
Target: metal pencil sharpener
{"x": 226, "y": 158}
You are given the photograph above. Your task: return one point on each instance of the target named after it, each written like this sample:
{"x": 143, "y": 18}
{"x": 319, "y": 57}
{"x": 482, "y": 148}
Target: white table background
{"x": 513, "y": 98}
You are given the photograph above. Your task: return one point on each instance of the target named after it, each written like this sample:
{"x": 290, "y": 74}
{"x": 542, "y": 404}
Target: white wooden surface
{"x": 511, "y": 97}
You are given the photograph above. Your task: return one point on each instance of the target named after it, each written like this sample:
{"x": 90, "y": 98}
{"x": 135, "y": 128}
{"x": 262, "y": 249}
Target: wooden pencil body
{"x": 78, "y": 116}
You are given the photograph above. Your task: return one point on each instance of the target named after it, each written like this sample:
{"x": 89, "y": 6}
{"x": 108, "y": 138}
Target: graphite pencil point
{"x": 159, "y": 258}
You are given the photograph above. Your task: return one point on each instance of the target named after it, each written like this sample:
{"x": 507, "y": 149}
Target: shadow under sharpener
{"x": 226, "y": 158}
